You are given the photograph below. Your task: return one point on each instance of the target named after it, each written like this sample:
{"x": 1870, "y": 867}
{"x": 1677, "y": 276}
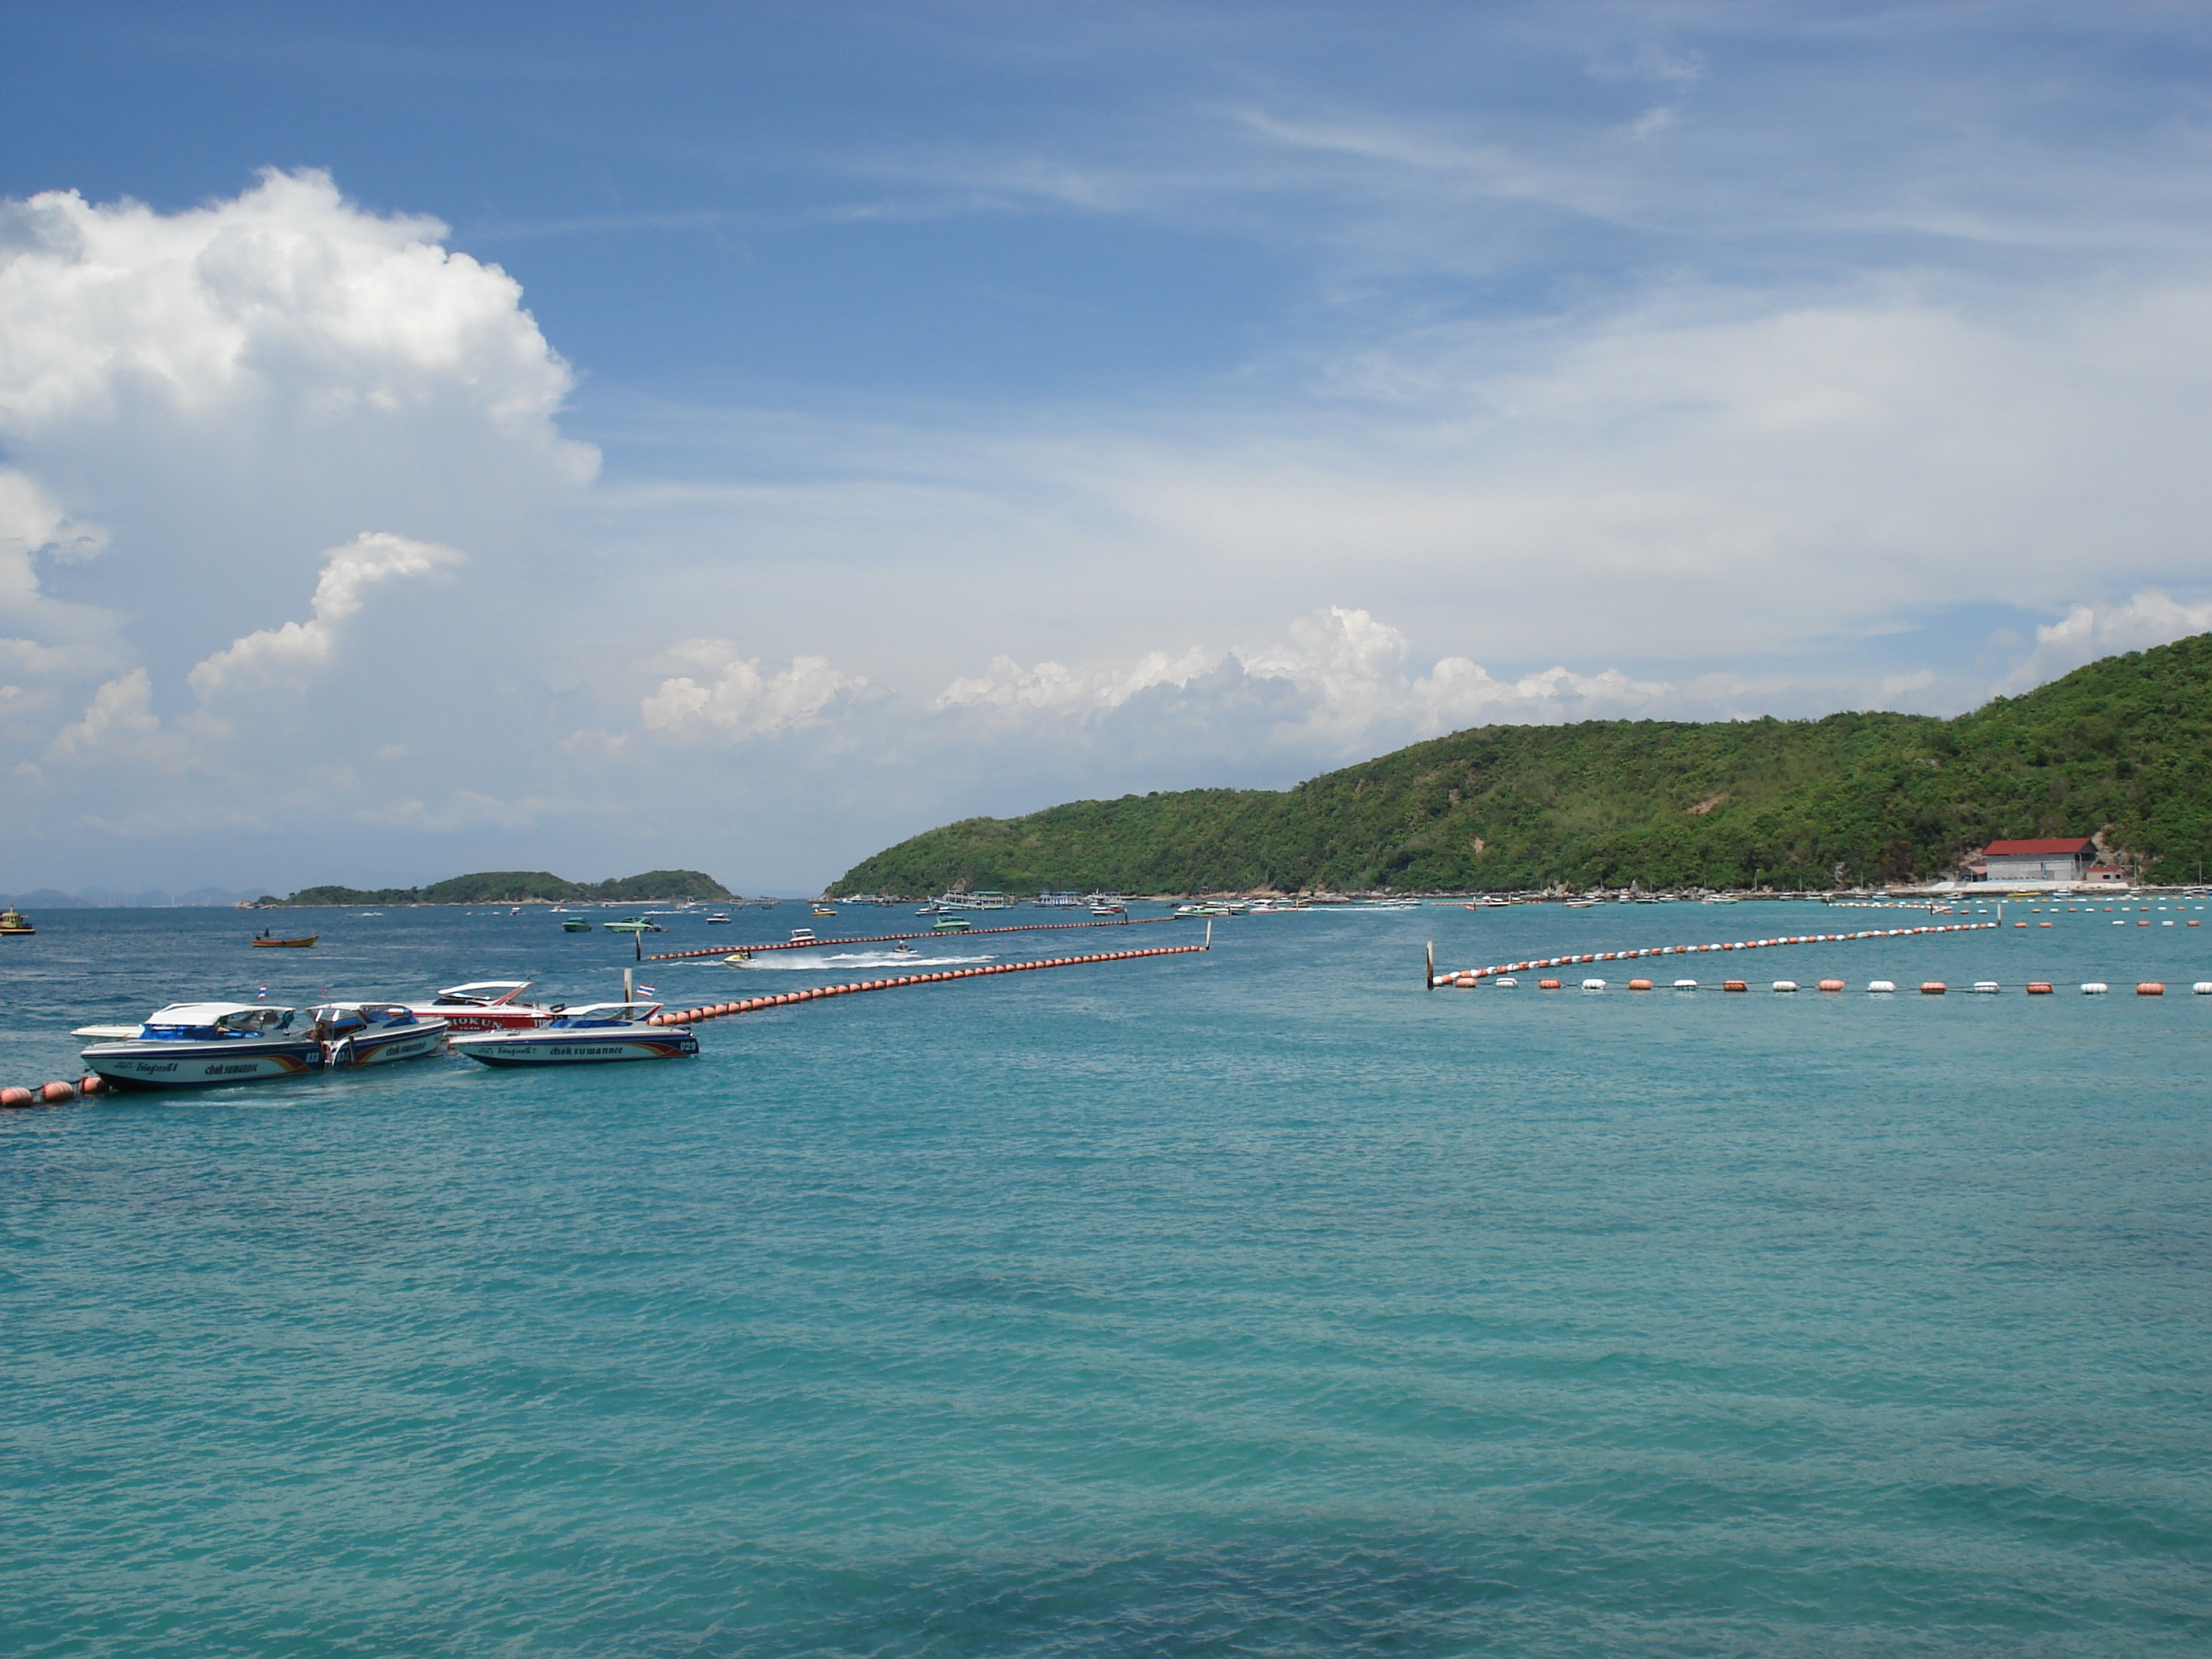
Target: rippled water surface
{"x": 1253, "y": 1302}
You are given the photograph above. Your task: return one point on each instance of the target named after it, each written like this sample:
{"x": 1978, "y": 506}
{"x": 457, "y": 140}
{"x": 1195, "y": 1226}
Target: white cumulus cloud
{"x": 295, "y": 649}
{"x": 742, "y": 698}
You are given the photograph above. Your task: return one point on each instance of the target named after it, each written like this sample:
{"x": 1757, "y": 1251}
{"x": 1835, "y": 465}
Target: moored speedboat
{"x": 488, "y": 1004}
{"x": 633, "y": 925}
{"x": 594, "y": 1036}
{"x": 198, "y": 1045}
{"x": 374, "y": 1033}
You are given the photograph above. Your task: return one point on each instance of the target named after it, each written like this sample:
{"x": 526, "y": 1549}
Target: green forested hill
{"x": 2119, "y": 748}
{"x": 519, "y": 887}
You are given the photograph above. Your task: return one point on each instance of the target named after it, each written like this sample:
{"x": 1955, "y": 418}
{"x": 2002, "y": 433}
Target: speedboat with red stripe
{"x": 486, "y": 1005}
{"x": 592, "y": 1035}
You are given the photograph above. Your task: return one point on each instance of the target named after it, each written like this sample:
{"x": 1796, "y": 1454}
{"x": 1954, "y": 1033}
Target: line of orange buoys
{"x": 816, "y": 993}
{"x": 885, "y": 938}
{"x": 54, "y": 1094}
{"x": 1475, "y": 975}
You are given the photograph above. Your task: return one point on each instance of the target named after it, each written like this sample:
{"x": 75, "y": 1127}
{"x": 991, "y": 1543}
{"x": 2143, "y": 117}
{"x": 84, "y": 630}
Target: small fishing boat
{"x": 374, "y": 1033}
{"x": 266, "y": 940}
{"x": 824, "y": 910}
{"x": 199, "y": 1045}
{"x": 489, "y": 1005}
{"x": 575, "y": 924}
{"x": 14, "y": 922}
{"x": 596, "y": 1034}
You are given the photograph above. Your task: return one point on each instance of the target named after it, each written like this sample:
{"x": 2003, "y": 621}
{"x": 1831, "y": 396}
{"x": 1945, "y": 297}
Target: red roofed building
{"x": 2061, "y": 858}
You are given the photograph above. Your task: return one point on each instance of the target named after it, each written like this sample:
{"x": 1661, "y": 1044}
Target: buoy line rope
{"x": 1694, "y": 950}
{"x": 787, "y": 999}
{"x": 885, "y": 938}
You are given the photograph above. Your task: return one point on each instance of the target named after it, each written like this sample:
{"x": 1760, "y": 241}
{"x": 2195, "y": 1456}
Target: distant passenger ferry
{"x": 974, "y": 901}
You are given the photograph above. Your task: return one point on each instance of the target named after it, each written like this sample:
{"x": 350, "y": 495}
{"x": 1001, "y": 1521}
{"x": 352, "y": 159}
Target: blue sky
{"x": 742, "y": 436}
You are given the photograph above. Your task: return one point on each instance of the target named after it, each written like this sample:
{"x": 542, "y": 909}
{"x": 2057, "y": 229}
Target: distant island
{"x": 2121, "y": 749}
{"x": 516, "y": 887}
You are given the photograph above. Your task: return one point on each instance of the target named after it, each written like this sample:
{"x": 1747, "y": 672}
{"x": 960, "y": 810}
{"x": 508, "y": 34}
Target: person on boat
{"x": 902, "y": 949}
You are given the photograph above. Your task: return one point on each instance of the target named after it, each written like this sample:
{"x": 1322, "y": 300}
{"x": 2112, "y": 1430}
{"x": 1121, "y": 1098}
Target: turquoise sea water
{"x": 1255, "y": 1302}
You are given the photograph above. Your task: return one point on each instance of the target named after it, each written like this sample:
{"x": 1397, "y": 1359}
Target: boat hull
{"x": 201, "y": 1065}
{"x": 383, "y": 1048}
{"x": 586, "y": 1048}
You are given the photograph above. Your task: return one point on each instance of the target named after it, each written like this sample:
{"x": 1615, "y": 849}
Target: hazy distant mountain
{"x": 102, "y": 898}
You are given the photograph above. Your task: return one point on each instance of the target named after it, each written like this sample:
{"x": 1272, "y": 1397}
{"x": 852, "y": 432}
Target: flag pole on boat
{"x": 629, "y": 995}
{"x": 1429, "y": 973}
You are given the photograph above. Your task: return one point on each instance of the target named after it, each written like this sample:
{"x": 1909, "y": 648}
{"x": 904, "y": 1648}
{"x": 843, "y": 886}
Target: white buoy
{"x": 1593, "y": 985}
{"x": 1785, "y": 984}
{"x": 1882, "y": 985}
{"x": 2095, "y": 988}
{"x": 1685, "y": 985}
{"x": 1987, "y": 986}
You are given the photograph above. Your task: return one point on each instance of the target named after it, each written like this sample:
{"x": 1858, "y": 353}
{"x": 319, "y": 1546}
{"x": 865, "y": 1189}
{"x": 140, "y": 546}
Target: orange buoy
{"x": 17, "y": 1098}
{"x": 2039, "y": 987}
{"x": 1547, "y": 985}
{"x": 1639, "y": 985}
{"x": 92, "y": 1084}
{"x": 1933, "y": 987}
{"x": 1733, "y": 985}
{"x": 2021, "y": 924}
{"x": 2046, "y": 924}
{"x": 1832, "y": 985}
{"x": 54, "y": 1093}
{"x": 2150, "y": 987}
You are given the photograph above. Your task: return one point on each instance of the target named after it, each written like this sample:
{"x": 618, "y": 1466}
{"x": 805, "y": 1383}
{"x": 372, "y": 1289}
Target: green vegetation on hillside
{"x": 521, "y": 887}
{"x": 2119, "y": 749}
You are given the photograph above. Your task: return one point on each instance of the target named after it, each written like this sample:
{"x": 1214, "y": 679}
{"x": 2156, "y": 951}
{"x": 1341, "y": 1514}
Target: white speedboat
{"x": 485, "y": 1005}
{"x": 375, "y": 1033}
{"x": 592, "y": 1035}
{"x": 198, "y": 1045}
{"x": 802, "y": 936}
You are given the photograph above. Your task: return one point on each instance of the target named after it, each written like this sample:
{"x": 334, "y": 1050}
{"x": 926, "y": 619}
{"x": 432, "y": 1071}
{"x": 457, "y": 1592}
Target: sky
{"x": 739, "y": 437}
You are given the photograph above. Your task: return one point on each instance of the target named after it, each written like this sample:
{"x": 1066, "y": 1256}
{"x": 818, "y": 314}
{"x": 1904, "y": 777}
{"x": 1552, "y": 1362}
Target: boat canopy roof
{"x": 485, "y": 993}
{"x": 210, "y": 1013}
{"x": 605, "y": 1013}
{"x": 381, "y": 1013}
